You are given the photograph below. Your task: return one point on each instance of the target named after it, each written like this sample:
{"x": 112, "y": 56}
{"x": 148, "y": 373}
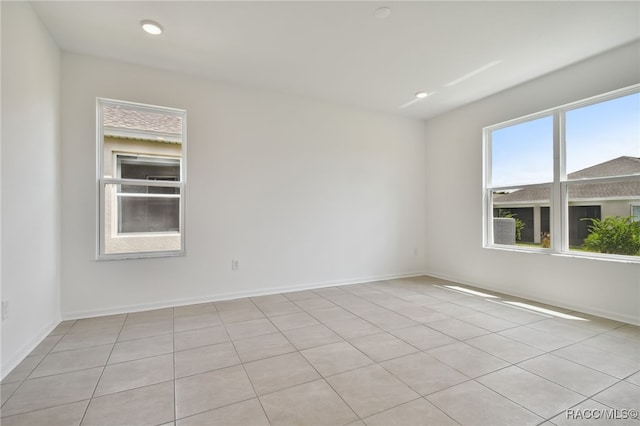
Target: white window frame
{"x": 102, "y": 182}
{"x": 559, "y": 203}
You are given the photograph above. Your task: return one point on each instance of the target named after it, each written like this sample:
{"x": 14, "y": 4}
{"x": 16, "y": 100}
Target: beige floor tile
{"x": 538, "y": 339}
{"x": 618, "y": 346}
{"x": 627, "y": 331}
{"x": 416, "y": 413}
{"x": 263, "y": 346}
{"x": 151, "y": 316}
{"x": 230, "y": 305}
{"x": 234, "y": 316}
{"x": 206, "y": 358}
{"x": 150, "y": 405}
{"x": 504, "y": 348}
{"x": 568, "y": 374}
{"x": 61, "y": 415}
{"x": 599, "y": 359}
{"x": 472, "y": 404}
{"x": 142, "y": 330}
{"x": 141, "y": 348}
{"x": 293, "y": 321}
{"x": 246, "y": 329}
{"x": 300, "y": 295}
{"x": 192, "y": 322}
{"x": 215, "y": 389}
{"x": 35, "y": 394}
{"x": 312, "y": 403}
{"x": 591, "y": 413}
{"x": 310, "y": 304}
{"x": 135, "y": 374}
{"x": 452, "y": 309}
{"x": 423, "y": 373}
{"x": 352, "y": 328}
{"x": 383, "y": 346}
{"x": 46, "y": 345}
{"x": 79, "y": 359}
{"x": 488, "y": 322}
{"x": 634, "y": 379}
{"x": 422, "y": 337}
{"x": 457, "y": 329}
{"x": 84, "y": 340}
{"x": 369, "y": 390}
{"x": 563, "y": 330}
{"x": 281, "y": 308}
{"x": 200, "y": 337}
{"x": 309, "y": 337}
{"x": 197, "y": 309}
{"x": 622, "y": 395}
{"x": 280, "y": 372}
{"x": 336, "y": 358}
{"x": 269, "y": 299}
{"x": 331, "y": 314}
{"x": 421, "y": 314}
{"x": 7, "y": 389}
{"x": 536, "y": 394}
{"x": 389, "y": 320}
{"x": 513, "y": 314}
{"x": 467, "y": 359}
{"x": 62, "y": 328}
{"x": 243, "y": 413}
{"x": 107, "y": 324}
{"x": 22, "y": 370}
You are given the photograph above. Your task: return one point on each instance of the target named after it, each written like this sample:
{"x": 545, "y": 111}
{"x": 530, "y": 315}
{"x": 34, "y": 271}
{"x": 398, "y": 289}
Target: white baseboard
{"x": 616, "y": 316}
{"x": 73, "y": 315}
{"x": 12, "y": 361}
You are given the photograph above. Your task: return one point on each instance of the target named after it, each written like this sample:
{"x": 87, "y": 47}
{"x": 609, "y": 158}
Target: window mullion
{"x": 557, "y": 210}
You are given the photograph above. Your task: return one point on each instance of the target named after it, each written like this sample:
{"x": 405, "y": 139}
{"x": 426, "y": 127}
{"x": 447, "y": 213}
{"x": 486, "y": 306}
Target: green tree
{"x": 614, "y": 235}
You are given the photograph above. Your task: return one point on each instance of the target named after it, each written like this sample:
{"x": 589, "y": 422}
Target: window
{"x": 567, "y": 180}
{"x": 141, "y": 180}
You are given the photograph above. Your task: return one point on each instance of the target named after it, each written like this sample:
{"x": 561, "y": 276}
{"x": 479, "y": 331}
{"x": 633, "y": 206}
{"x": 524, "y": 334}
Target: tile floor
{"x": 399, "y": 352}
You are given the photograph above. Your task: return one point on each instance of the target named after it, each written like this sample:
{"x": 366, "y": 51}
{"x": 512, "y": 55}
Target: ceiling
{"x": 341, "y": 52}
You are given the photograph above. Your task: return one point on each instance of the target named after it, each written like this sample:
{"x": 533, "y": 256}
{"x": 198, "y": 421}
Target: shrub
{"x": 519, "y": 224}
{"x": 614, "y": 235}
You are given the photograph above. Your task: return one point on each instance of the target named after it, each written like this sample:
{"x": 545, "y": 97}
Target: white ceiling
{"x": 340, "y": 51}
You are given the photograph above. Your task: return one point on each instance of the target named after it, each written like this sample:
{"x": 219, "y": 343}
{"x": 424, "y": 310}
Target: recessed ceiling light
{"x": 421, "y": 95}
{"x": 151, "y": 27}
{"x": 382, "y": 12}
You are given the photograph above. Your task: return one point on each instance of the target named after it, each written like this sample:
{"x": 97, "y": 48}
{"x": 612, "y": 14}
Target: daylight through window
{"x": 141, "y": 180}
{"x": 567, "y": 180}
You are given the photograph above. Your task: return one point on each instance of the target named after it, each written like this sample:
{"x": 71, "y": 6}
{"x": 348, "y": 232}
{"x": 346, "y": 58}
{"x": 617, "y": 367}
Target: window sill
{"x": 575, "y": 255}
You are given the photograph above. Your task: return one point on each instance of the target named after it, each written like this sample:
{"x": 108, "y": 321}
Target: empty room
{"x": 320, "y": 213}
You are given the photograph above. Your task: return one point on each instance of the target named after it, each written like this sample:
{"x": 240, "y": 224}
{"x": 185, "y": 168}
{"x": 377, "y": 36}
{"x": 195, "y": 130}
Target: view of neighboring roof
{"x": 616, "y": 167}
{"x": 140, "y": 124}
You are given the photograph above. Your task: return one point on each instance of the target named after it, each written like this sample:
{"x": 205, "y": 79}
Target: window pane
{"x": 522, "y": 217}
{"x": 599, "y": 219}
{"x": 142, "y": 151}
{"x": 141, "y": 221}
{"x": 604, "y": 139}
{"x": 522, "y": 153}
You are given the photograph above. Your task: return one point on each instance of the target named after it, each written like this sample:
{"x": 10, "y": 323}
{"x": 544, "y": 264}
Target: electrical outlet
{"x": 235, "y": 264}
{"x": 5, "y": 309}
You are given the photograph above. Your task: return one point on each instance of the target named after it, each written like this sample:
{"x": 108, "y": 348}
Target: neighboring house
{"x": 145, "y": 146}
{"x": 594, "y": 200}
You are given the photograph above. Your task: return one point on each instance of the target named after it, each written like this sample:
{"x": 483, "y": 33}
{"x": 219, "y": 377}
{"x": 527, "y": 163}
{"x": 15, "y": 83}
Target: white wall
{"x": 30, "y": 182}
{"x": 454, "y": 229}
{"x": 301, "y": 192}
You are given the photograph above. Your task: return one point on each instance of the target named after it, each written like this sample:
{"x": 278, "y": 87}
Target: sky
{"x": 523, "y": 153}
